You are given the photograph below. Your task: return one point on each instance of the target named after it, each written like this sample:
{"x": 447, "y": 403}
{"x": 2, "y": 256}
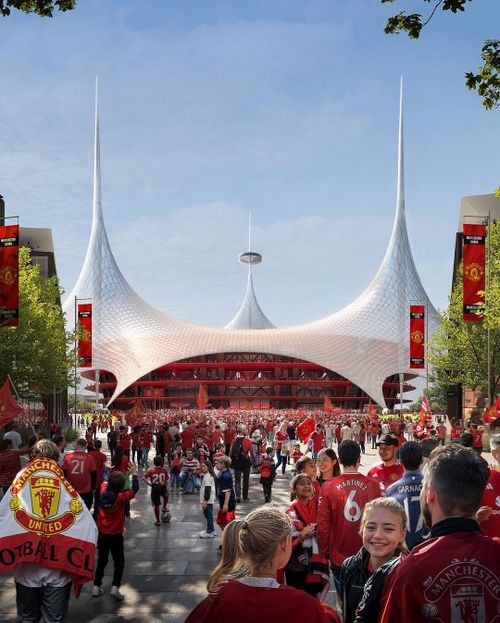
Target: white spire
{"x": 97, "y": 207}
{"x": 401, "y": 161}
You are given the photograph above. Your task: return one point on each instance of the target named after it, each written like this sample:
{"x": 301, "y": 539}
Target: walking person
{"x": 207, "y": 498}
{"x": 242, "y": 458}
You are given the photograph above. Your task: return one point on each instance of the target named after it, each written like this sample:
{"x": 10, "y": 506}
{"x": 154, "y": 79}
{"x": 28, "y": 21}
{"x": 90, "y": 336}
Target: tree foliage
{"x": 39, "y": 353}
{"x": 458, "y": 350}
{"x": 44, "y": 8}
{"x": 487, "y": 80}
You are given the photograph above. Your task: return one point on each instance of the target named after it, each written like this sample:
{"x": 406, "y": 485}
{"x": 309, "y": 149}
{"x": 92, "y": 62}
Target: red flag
{"x": 372, "y": 412}
{"x": 305, "y": 428}
{"x": 497, "y": 406}
{"x": 474, "y": 269}
{"x": 490, "y": 415}
{"x": 327, "y": 406}
{"x": 425, "y": 405}
{"x": 202, "y": 400}
{"x": 9, "y": 408}
{"x": 135, "y": 413}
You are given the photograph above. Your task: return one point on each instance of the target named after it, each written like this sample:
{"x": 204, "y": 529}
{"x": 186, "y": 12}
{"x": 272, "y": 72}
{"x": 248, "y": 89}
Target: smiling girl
{"x": 383, "y": 530}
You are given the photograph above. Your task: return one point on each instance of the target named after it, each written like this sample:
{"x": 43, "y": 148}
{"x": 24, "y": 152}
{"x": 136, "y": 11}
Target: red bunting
{"x": 9, "y": 409}
{"x": 9, "y": 275}
{"x": 474, "y": 270}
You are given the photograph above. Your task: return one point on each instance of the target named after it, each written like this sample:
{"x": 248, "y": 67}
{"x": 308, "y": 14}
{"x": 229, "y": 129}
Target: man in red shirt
{"x": 454, "y": 575}
{"x": 340, "y": 509}
{"x": 124, "y": 440}
{"x": 389, "y": 471}
{"x": 187, "y": 437}
{"x": 80, "y": 470}
{"x": 441, "y": 431}
{"x": 489, "y": 513}
{"x": 316, "y": 441}
{"x": 100, "y": 460}
{"x": 477, "y": 438}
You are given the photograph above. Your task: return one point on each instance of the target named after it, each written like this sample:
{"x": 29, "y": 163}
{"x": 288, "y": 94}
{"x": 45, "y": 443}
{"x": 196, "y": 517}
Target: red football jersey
{"x": 452, "y": 578}
{"x": 386, "y": 476}
{"x": 491, "y": 498}
{"x": 339, "y": 514}
{"x": 78, "y": 466}
{"x": 158, "y": 476}
{"x": 187, "y": 437}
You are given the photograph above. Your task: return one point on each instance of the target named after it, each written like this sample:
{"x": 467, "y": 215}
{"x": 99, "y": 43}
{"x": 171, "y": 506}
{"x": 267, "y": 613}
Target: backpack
{"x": 239, "y": 460}
{"x": 266, "y": 470}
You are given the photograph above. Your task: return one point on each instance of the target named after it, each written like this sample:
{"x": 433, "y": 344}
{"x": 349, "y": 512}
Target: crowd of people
{"x": 416, "y": 539}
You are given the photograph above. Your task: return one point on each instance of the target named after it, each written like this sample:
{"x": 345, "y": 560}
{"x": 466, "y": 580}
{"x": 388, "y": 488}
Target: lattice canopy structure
{"x": 366, "y": 342}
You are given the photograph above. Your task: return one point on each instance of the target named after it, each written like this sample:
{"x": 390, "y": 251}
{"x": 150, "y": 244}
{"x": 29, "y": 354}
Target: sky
{"x": 209, "y": 110}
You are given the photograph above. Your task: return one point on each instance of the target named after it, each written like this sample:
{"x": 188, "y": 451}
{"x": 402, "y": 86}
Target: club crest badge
{"x": 42, "y": 501}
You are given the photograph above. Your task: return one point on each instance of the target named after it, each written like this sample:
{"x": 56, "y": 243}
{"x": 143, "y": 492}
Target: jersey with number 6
{"x": 339, "y": 514}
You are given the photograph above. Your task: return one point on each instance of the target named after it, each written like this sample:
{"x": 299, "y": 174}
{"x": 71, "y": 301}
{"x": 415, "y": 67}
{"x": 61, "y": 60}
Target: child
{"x": 296, "y": 454}
{"x": 306, "y": 570}
{"x": 110, "y": 523}
{"x": 207, "y": 498}
{"x": 383, "y": 530}
{"x": 175, "y": 467}
{"x": 306, "y": 465}
{"x": 267, "y": 471}
{"x": 244, "y": 584}
{"x": 227, "y": 498}
{"x": 157, "y": 479}
{"x": 219, "y": 452}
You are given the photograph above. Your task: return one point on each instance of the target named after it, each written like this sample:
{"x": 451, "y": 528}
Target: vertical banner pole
{"x": 401, "y": 382}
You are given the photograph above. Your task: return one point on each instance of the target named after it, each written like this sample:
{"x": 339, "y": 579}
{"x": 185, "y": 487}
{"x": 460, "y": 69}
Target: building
{"x": 357, "y": 354}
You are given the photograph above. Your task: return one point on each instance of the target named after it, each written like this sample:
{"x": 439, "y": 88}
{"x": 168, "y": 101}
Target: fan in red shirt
{"x": 80, "y": 470}
{"x": 100, "y": 460}
{"x": 390, "y": 470}
{"x": 489, "y": 513}
{"x": 157, "y": 479}
{"x": 187, "y": 438}
{"x": 454, "y": 575}
{"x": 124, "y": 440}
{"x": 341, "y": 505}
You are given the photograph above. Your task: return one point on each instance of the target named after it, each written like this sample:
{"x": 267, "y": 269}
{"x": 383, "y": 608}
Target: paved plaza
{"x": 166, "y": 568}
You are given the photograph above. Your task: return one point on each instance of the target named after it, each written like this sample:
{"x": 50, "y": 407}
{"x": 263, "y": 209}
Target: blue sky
{"x": 210, "y": 109}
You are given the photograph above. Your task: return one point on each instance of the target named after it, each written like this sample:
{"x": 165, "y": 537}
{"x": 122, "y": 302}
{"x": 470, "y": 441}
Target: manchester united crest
{"x": 474, "y": 272}
{"x": 417, "y": 336}
{"x": 42, "y": 501}
{"x": 8, "y": 275}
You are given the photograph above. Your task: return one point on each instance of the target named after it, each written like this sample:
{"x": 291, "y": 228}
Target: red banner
{"x": 85, "y": 342}
{"x": 417, "y": 336}
{"x": 474, "y": 270}
{"x": 202, "y": 399}
{"x": 9, "y": 275}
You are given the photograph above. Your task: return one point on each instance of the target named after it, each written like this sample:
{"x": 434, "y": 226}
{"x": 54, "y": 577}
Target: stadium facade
{"x": 357, "y": 354}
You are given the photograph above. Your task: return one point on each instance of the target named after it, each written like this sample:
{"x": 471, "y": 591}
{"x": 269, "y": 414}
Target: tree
{"x": 38, "y": 354}
{"x": 44, "y": 8}
{"x": 458, "y": 350}
{"x": 487, "y": 81}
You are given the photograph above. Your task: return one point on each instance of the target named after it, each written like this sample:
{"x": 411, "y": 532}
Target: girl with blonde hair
{"x": 244, "y": 584}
